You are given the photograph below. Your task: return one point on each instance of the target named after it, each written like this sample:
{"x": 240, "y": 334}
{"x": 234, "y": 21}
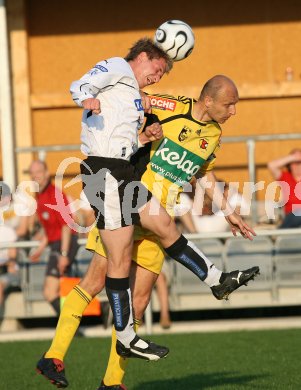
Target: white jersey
{"x": 114, "y": 132}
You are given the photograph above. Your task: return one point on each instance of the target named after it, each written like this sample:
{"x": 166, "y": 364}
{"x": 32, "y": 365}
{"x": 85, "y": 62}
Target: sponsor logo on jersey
{"x": 184, "y": 134}
{"x": 203, "y": 143}
{"x": 100, "y": 67}
{"x": 163, "y": 103}
{"x": 138, "y": 104}
{"x": 175, "y": 163}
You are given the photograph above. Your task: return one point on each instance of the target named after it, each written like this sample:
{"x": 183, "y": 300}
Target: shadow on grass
{"x": 201, "y": 381}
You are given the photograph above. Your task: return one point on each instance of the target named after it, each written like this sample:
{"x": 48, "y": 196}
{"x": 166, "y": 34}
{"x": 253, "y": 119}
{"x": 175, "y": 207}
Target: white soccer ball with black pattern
{"x": 176, "y": 38}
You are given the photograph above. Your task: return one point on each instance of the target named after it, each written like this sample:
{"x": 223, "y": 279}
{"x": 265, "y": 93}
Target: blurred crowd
{"x": 195, "y": 213}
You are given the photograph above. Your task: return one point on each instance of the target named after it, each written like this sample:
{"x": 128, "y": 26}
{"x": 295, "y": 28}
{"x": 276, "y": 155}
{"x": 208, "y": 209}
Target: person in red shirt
{"x": 58, "y": 235}
{"x": 287, "y": 170}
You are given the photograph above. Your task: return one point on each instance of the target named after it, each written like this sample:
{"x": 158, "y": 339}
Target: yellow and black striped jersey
{"x": 187, "y": 148}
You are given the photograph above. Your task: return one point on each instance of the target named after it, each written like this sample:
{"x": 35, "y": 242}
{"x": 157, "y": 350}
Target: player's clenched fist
{"x": 92, "y": 104}
{"x": 154, "y": 131}
{"x": 151, "y": 133}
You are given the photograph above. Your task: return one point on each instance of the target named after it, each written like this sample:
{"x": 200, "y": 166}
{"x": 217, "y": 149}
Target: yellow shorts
{"x": 147, "y": 252}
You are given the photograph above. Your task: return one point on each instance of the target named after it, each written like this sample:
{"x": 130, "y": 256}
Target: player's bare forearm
{"x": 238, "y": 225}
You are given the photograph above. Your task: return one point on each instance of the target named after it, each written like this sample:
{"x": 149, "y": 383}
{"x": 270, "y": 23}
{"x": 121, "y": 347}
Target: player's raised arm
{"x": 103, "y": 76}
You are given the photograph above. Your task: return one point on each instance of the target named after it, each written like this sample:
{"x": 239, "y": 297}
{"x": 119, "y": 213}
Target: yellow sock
{"x": 116, "y": 365}
{"x": 75, "y": 304}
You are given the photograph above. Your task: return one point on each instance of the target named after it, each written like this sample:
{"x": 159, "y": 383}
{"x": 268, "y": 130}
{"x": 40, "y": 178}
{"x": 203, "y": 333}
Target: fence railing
{"x": 249, "y": 140}
{"x": 272, "y": 233}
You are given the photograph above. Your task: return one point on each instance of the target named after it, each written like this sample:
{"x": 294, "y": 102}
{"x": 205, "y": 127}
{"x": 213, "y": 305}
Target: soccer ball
{"x": 176, "y": 38}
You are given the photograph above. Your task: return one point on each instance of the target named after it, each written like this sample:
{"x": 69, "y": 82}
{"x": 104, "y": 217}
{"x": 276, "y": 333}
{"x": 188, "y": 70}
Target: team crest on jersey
{"x": 184, "y": 134}
{"x": 163, "y": 103}
{"x": 203, "y": 144}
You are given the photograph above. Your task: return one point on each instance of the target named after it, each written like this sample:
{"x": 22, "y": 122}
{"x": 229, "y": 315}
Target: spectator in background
{"x": 22, "y": 223}
{"x": 9, "y": 270}
{"x": 206, "y": 217}
{"x": 287, "y": 170}
{"x": 58, "y": 235}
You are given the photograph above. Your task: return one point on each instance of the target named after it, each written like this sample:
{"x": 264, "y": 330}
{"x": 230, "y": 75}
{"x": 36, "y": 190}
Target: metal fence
{"x": 250, "y": 142}
{"x": 268, "y": 284}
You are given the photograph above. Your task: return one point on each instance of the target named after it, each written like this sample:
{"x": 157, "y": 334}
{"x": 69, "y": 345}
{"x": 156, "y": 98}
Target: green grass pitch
{"x": 218, "y": 361}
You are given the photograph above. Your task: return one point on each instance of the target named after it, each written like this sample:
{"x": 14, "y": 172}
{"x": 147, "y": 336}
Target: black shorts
{"x": 55, "y": 247}
{"x": 114, "y": 191}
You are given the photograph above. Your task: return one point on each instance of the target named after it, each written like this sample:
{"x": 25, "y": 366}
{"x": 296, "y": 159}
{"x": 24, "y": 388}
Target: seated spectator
{"x": 206, "y": 217}
{"x": 16, "y": 212}
{"x": 9, "y": 270}
{"x": 287, "y": 170}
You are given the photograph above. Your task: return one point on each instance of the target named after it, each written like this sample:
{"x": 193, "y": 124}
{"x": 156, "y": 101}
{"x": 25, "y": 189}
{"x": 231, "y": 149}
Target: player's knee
{"x": 168, "y": 232}
{"x": 117, "y": 258}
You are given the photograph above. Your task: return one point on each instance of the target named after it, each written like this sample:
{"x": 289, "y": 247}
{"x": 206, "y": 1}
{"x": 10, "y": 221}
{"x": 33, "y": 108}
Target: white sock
{"x": 128, "y": 334}
{"x": 213, "y": 276}
{"x": 214, "y": 273}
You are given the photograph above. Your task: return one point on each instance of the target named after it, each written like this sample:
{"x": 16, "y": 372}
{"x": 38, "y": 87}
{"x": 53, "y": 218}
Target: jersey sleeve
{"x": 209, "y": 164}
{"x": 142, "y": 157}
{"x": 105, "y": 74}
